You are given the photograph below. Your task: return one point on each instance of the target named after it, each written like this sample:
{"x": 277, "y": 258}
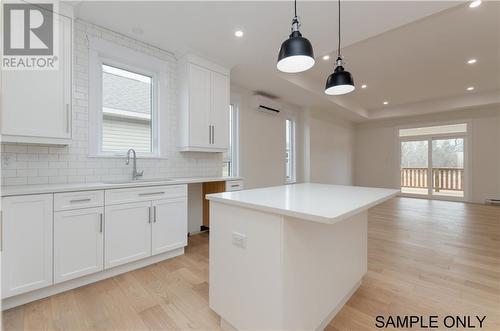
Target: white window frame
{"x": 234, "y": 170}
{"x": 293, "y": 143}
{"x": 467, "y": 136}
{"x": 107, "y": 53}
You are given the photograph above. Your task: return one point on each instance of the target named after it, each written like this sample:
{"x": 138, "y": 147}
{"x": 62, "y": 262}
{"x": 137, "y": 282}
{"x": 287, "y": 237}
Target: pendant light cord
{"x": 338, "y": 48}
{"x": 295, "y": 6}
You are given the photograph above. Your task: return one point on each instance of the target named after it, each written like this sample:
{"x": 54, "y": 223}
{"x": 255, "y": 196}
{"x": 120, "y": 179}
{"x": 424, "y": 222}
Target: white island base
{"x": 270, "y": 270}
{"x": 293, "y": 274}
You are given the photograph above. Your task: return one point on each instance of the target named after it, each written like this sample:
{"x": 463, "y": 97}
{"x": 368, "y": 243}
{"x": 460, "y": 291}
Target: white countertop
{"x": 315, "y": 202}
{"x": 55, "y": 188}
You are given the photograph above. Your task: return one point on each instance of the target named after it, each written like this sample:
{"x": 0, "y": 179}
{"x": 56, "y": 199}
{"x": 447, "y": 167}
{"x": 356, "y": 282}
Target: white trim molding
{"x": 101, "y": 51}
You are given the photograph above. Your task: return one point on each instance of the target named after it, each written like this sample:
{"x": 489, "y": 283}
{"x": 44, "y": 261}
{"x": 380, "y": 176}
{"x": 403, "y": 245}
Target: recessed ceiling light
{"x": 386, "y": 102}
{"x": 238, "y": 33}
{"x": 470, "y": 88}
{"x": 326, "y": 57}
{"x": 364, "y": 86}
{"x": 475, "y": 4}
{"x": 472, "y": 61}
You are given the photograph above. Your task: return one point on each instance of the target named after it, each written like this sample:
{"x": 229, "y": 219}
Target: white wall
{"x": 262, "y": 142}
{"x": 376, "y": 146}
{"x": 36, "y": 164}
{"x": 331, "y": 143}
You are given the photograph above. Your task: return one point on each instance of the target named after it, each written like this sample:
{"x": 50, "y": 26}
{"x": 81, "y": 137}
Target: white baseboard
{"x": 24, "y": 298}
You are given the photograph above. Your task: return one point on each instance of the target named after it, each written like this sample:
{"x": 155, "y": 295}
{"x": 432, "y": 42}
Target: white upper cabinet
{"x": 36, "y": 104}
{"x": 27, "y": 243}
{"x": 219, "y": 115}
{"x": 203, "y": 106}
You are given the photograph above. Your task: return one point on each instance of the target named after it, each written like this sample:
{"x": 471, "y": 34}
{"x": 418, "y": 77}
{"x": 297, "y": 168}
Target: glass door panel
{"x": 448, "y": 167}
{"x": 415, "y": 167}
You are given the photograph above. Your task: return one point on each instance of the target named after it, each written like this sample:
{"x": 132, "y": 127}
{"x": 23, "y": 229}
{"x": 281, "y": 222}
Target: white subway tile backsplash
{"x": 37, "y": 164}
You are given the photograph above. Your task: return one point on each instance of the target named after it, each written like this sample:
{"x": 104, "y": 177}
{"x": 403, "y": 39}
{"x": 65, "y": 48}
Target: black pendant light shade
{"x": 296, "y": 53}
{"x": 340, "y": 82}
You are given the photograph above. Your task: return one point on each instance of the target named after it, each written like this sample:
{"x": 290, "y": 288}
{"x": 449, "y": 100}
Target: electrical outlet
{"x": 239, "y": 240}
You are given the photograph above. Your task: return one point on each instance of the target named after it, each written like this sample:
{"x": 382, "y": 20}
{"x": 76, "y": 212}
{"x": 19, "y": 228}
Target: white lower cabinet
{"x": 169, "y": 225}
{"x": 78, "y": 243}
{"x": 48, "y": 239}
{"x": 127, "y": 233}
{"x": 27, "y": 243}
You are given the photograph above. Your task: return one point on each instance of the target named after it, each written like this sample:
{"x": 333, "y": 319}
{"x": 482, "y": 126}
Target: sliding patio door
{"x": 415, "y": 167}
{"x": 448, "y": 172}
{"x": 433, "y": 162}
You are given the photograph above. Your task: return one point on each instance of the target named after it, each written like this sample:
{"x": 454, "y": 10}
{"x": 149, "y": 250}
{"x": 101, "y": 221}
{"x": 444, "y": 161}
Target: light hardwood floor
{"x": 425, "y": 258}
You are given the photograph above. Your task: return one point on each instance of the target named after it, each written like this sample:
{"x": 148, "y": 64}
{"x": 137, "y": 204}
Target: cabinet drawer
{"x": 117, "y": 196}
{"x": 234, "y": 185}
{"x": 77, "y": 200}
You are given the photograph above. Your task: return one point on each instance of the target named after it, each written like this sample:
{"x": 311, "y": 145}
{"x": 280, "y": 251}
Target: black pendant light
{"x": 341, "y": 81}
{"x": 296, "y": 53}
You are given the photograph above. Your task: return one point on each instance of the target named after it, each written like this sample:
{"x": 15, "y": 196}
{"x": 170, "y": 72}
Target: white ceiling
{"x": 393, "y": 46}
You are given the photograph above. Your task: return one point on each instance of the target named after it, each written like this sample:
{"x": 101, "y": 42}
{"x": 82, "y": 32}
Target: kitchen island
{"x": 288, "y": 257}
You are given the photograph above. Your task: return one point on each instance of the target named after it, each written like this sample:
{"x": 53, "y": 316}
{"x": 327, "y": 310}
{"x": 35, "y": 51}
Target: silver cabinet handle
{"x": 154, "y": 214}
{"x": 149, "y": 215}
{"x": 213, "y": 134}
{"x": 152, "y": 193}
{"x": 209, "y": 134}
{"x": 100, "y": 222}
{"x": 80, "y": 200}
{"x": 68, "y": 118}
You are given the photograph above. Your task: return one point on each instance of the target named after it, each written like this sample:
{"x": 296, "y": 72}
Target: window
{"x": 433, "y": 161}
{"x": 230, "y": 158}
{"x": 127, "y": 110}
{"x": 127, "y": 101}
{"x": 290, "y": 151}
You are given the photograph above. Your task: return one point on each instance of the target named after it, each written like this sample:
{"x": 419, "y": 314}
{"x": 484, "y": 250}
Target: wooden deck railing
{"x": 451, "y": 179}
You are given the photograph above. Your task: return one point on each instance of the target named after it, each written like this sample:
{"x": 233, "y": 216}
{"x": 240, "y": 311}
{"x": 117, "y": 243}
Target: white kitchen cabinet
{"x": 219, "y": 114}
{"x": 199, "y": 101}
{"x": 36, "y": 104}
{"x": 169, "y": 225}
{"x": 203, "y": 106}
{"x": 127, "y": 233}
{"x": 78, "y": 243}
{"x": 27, "y": 243}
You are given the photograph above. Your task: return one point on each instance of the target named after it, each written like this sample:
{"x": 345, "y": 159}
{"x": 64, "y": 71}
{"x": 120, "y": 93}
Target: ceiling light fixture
{"x": 326, "y": 57}
{"x": 364, "y": 86}
{"x": 238, "y": 33}
{"x": 386, "y": 102}
{"x": 296, "y": 53}
{"x": 472, "y": 61}
{"x": 475, "y": 4}
{"x": 341, "y": 81}
{"x": 470, "y": 88}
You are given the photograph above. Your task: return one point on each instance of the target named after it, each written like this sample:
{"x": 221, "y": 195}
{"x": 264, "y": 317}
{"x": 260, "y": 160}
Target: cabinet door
{"x": 219, "y": 114}
{"x": 169, "y": 225}
{"x": 199, "y": 106}
{"x": 78, "y": 243}
{"x": 27, "y": 243}
{"x": 37, "y": 103}
{"x": 127, "y": 233}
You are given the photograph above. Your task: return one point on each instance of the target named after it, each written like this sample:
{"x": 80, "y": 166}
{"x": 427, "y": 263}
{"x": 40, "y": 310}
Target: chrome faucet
{"x": 135, "y": 174}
